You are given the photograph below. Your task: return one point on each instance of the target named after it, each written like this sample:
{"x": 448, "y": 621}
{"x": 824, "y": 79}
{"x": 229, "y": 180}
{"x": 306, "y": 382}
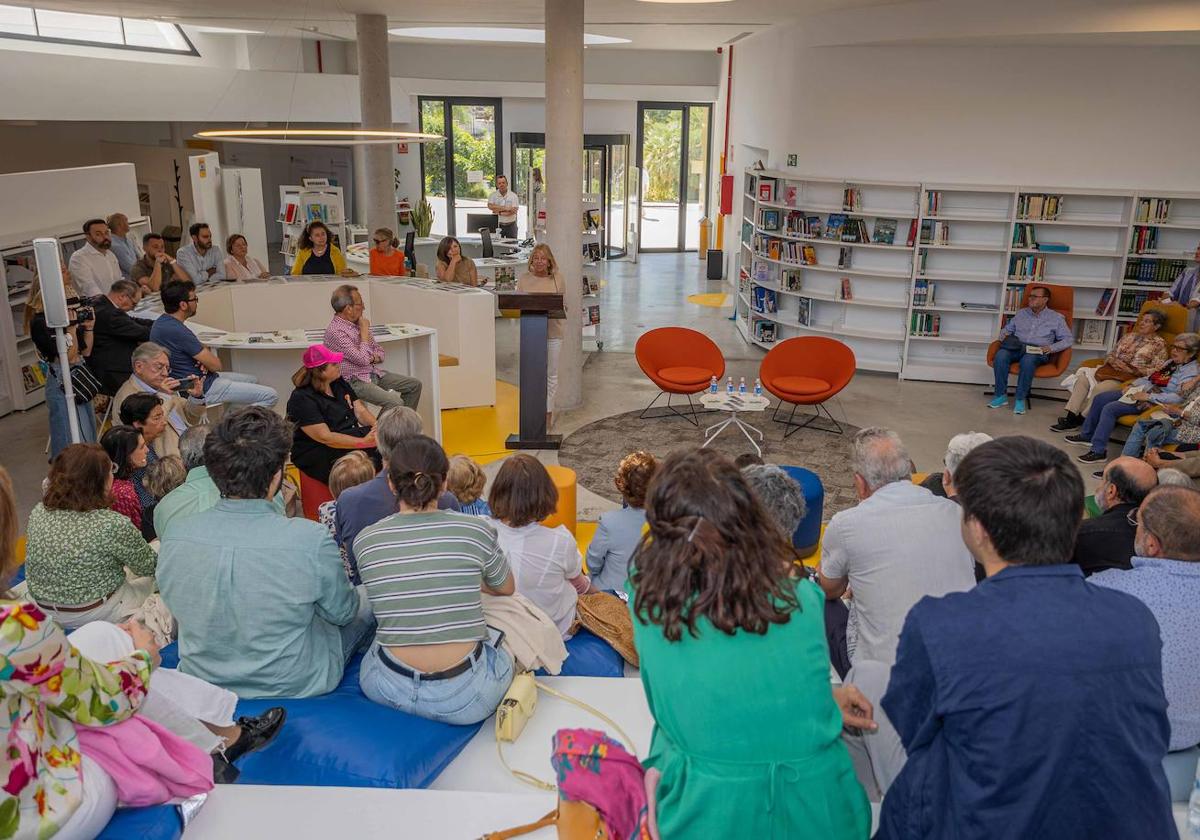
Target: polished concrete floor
{"x": 653, "y": 293}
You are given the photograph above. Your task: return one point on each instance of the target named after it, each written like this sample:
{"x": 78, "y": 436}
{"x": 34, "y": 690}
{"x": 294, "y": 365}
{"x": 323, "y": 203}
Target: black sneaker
{"x": 1068, "y": 422}
{"x": 257, "y": 732}
{"x": 1078, "y": 440}
{"x": 1092, "y": 457}
{"x": 1098, "y": 474}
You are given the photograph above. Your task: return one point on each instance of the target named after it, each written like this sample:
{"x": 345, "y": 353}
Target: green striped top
{"x": 423, "y": 573}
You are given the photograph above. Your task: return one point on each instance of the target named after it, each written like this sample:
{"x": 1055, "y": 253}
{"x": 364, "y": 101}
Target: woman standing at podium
{"x": 543, "y": 276}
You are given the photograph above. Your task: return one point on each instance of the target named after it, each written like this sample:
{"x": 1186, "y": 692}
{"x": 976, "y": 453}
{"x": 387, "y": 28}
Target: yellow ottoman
{"x": 564, "y": 481}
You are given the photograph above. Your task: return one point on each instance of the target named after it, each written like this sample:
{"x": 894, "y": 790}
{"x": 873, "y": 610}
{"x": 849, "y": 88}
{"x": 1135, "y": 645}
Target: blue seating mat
{"x": 156, "y": 822}
{"x": 590, "y": 656}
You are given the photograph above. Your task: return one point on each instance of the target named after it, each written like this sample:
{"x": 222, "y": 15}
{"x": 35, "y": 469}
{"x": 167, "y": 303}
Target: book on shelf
{"x": 764, "y": 300}
{"x": 773, "y": 251}
{"x": 804, "y": 311}
{"x": 809, "y": 255}
{"x": 851, "y": 198}
{"x": 1154, "y": 271}
{"x": 925, "y": 324}
{"x": 1089, "y": 331}
{"x": 1132, "y": 301}
{"x": 288, "y": 248}
{"x": 1039, "y": 206}
{"x": 1024, "y": 236}
{"x": 846, "y": 292}
{"x": 591, "y": 315}
{"x": 1153, "y": 210}
{"x": 591, "y": 251}
{"x": 885, "y": 231}
{"x": 1143, "y": 239}
{"x": 768, "y": 219}
{"x": 33, "y": 377}
{"x": 924, "y": 293}
{"x": 790, "y": 195}
{"x": 766, "y": 189}
{"x": 970, "y": 306}
{"x": 1104, "y": 307}
{"x": 912, "y": 234}
{"x": 1054, "y": 247}
{"x": 591, "y": 219}
{"x": 844, "y": 257}
{"x": 793, "y": 281}
{"x": 797, "y": 224}
{"x": 288, "y": 212}
{"x": 747, "y": 230}
{"x": 1026, "y": 267}
{"x": 760, "y": 271}
{"x": 833, "y": 228}
{"x": 1012, "y": 298}
{"x": 764, "y": 331}
{"x": 931, "y": 201}
{"x": 855, "y": 230}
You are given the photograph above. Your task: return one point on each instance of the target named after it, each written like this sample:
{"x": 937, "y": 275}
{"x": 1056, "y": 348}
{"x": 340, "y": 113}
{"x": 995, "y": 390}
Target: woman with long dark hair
{"x": 127, "y": 450}
{"x": 719, "y": 617}
{"x": 317, "y": 253}
{"x": 453, "y": 266}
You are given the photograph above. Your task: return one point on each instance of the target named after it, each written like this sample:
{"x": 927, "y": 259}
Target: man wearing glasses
{"x": 1028, "y": 339}
{"x": 182, "y": 407}
{"x": 1106, "y": 541}
{"x": 349, "y": 333}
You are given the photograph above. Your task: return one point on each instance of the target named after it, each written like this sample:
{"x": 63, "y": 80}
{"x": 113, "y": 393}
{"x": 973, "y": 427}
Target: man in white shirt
{"x": 94, "y": 267}
{"x": 898, "y": 545}
{"x": 200, "y": 259}
{"x": 504, "y": 204}
{"x": 124, "y": 244}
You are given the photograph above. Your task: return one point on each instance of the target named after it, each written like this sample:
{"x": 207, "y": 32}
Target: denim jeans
{"x": 1002, "y": 363}
{"x": 240, "y": 389}
{"x": 1103, "y": 416}
{"x": 470, "y": 697}
{"x": 1148, "y": 434}
{"x": 60, "y": 428}
{"x": 361, "y": 628}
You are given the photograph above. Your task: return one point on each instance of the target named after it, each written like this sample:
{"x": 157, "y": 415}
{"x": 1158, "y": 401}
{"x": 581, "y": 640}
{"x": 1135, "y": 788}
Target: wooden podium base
{"x": 545, "y": 442}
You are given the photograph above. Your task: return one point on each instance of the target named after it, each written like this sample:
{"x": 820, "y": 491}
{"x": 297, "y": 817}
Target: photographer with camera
{"x": 182, "y": 400}
{"x": 79, "y": 347}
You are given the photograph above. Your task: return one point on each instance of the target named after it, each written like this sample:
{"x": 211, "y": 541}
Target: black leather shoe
{"x": 1070, "y": 421}
{"x": 257, "y": 732}
{"x": 224, "y": 773}
{"x": 1092, "y": 457}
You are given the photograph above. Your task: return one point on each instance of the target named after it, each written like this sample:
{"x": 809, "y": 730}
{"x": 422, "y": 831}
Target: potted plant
{"x": 422, "y": 218}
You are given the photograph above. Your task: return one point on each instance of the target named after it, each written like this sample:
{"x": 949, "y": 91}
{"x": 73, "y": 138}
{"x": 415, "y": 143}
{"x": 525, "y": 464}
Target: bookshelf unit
{"x": 930, "y": 308}
{"x": 311, "y": 202}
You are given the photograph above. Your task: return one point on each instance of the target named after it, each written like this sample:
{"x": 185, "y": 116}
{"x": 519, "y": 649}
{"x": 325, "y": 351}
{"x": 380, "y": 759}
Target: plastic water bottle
{"x": 729, "y": 385}
{"x": 1193, "y": 823}
{"x": 742, "y": 386}
{"x": 758, "y": 387}
{"x": 712, "y": 386}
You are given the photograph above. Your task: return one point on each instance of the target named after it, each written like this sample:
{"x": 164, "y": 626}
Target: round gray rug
{"x": 595, "y": 450}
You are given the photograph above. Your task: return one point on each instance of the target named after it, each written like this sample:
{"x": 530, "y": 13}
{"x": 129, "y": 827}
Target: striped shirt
{"x": 423, "y": 573}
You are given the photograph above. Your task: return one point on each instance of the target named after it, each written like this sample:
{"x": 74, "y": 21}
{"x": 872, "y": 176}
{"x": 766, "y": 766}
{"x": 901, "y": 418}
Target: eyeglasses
{"x": 193, "y": 300}
{"x": 1134, "y": 517}
{"x": 158, "y": 366}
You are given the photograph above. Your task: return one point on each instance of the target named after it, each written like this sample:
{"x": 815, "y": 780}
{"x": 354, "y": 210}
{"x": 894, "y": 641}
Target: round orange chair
{"x": 807, "y": 371}
{"x": 678, "y": 361}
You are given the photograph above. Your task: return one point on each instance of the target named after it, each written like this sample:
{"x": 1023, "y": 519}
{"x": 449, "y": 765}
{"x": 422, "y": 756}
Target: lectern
{"x": 536, "y": 308}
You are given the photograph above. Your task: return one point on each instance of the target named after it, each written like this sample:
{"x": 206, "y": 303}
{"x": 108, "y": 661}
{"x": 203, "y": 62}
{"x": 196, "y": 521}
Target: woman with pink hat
{"x": 330, "y": 420}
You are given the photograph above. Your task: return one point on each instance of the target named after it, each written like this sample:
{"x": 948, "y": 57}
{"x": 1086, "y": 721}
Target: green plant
{"x": 422, "y": 218}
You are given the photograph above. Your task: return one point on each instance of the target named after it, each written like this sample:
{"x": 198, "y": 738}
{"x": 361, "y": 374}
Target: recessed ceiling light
{"x": 496, "y": 34}
{"x": 226, "y": 30}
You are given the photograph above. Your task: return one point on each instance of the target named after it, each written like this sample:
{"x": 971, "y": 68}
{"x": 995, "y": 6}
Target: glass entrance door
{"x": 674, "y": 157}
{"x": 459, "y": 172}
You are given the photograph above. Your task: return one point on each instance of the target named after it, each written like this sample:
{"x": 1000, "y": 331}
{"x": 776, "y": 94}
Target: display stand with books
{"x": 314, "y": 200}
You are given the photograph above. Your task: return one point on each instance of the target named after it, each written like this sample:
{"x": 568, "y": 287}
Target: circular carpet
{"x": 595, "y": 450}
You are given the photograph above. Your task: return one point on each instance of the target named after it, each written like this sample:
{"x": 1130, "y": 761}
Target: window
{"x": 94, "y": 30}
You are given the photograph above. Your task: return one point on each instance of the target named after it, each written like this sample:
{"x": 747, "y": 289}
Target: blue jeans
{"x": 470, "y": 697}
{"x": 1000, "y": 367}
{"x": 60, "y": 424}
{"x": 1148, "y": 434}
{"x": 240, "y": 389}
{"x": 1105, "y": 412}
{"x": 361, "y": 628}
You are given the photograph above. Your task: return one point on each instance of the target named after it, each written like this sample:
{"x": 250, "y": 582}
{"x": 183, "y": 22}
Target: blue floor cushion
{"x": 157, "y": 822}
{"x": 590, "y": 656}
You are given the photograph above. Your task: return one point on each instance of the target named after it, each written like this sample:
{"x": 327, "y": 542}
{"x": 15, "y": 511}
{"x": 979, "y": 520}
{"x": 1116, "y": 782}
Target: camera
{"x": 84, "y": 314}
{"x": 185, "y": 385}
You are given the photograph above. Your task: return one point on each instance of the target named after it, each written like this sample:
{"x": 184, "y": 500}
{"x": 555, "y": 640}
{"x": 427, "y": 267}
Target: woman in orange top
{"x": 386, "y": 260}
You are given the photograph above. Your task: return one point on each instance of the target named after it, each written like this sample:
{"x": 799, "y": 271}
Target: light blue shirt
{"x": 197, "y": 494}
{"x": 1171, "y": 589}
{"x": 259, "y": 598}
{"x": 1173, "y": 393}
{"x": 1048, "y": 328}
{"x": 608, "y": 554}
{"x": 1186, "y": 287}
{"x": 126, "y": 254}
{"x": 197, "y": 265}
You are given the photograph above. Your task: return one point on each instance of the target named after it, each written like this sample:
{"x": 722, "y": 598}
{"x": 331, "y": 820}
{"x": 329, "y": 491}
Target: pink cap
{"x": 319, "y": 354}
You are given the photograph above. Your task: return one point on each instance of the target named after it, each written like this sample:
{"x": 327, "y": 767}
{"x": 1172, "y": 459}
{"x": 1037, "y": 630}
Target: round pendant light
{"x": 316, "y": 136}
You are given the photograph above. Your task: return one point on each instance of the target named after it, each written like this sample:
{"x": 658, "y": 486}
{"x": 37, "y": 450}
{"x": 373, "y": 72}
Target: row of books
{"x": 1012, "y": 298}
{"x": 1153, "y": 210}
{"x": 1027, "y": 267}
{"x": 797, "y": 224}
{"x": 924, "y": 293}
{"x": 1143, "y": 239}
{"x": 1024, "y": 236}
{"x": 852, "y": 198}
{"x": 290, "y": 213}
{"x": 1132, "y": 302}
{"x": 1154, "y": 271}
{"x": 764, "y": 300}
{"x": 1039, "y": 206}
{"x": 764, "y": 331}
{"x": 792, "y": 280}
{"x": 925, "y": 323}
{"x": 935, "y": 233}
{"x": 931, "y": 202}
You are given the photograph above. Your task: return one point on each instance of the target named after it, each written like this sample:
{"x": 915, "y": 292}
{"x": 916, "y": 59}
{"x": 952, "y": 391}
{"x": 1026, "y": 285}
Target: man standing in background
{"x": 504, "y": 204}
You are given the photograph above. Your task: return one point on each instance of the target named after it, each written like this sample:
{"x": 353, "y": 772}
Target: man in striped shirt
{"x": 349, "y": 333}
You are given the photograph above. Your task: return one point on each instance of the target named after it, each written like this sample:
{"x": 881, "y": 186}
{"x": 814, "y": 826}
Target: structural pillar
{"x": 564, "y": 180}
{"x": 374, "y": 186}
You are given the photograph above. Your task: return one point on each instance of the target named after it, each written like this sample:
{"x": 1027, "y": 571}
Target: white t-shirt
{"x": 543, "y": 561}
{"x": 509, "y": 199}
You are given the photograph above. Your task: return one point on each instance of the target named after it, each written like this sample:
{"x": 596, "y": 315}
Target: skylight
{"x": 94, "y": 30}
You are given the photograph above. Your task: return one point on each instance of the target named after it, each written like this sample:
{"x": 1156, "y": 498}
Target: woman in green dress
{"x": 747, "y": 734}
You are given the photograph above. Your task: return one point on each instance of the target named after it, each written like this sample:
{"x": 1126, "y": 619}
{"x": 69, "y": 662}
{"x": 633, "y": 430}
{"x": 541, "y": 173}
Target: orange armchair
{"x": 1062, "y": 301}
{"x": 680, "y": 362}
{"x": 807, "y": 371}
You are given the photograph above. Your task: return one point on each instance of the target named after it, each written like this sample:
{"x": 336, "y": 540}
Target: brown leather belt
{"x": 449, "y": 673}
{"x": 80, "y": 608}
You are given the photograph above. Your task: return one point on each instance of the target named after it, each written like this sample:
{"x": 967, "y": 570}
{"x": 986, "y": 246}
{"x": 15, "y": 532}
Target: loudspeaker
{"x": 54, "y": 296}
{"x": 716, "y": 264}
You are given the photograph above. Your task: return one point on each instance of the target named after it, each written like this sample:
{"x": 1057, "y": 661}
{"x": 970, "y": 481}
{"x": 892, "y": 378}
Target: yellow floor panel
{"x": 584, "y": 531}
{"x": 481, "y": 432}
{"x": 716, "y": 300}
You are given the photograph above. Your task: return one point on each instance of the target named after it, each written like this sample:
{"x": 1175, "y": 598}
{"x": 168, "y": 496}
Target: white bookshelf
{"x": 309, "y": 202}
{"x": 981, "y": 242}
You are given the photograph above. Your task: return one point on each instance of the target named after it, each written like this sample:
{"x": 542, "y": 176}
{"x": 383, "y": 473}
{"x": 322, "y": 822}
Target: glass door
{"x": 673, "y": 155}
{"x": 459, "y": 172}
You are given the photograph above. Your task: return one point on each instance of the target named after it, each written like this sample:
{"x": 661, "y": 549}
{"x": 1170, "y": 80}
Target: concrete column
{"x": 373, "y": 179}
{"x": 564, "y": 179}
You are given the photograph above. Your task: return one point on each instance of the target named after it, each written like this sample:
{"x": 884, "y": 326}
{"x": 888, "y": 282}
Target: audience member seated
{"x": 183, "y": 403}
{"x": 1036, "y": 325}
{"x": 145, "y": 413}
{"x": 124, "y": 243}
{"x": 160, "y": 478}
{"x": 424, "y": 570}
{"x": 117, "y": 334}
{"x": 328, "y": 418}
{"x": 263, "y": 605}
{"x": 1106, "y": 541}
{"x": 239, "y": 265}
{"x": 1171, "y": 477}
{"x": 620, "y": 531}
{"x": 94, "y": 267}
{"x": 996, "y": 690}
{"x": 79, "y": 347}
{"x": 349, "y": 335}
{"x": 192, "y": 360}
{"x": 1180, "y": 423}
{"x": 157, "y": 268}
{"x": 453, "y": 267}
{"x": 78, "y": 547}
{"x": 1164, "y": 387}
{"x": 318, "y": 254}
{"x": 545, "y": 561}
{"x": 942, "y": 484}
{"x": 386, "y": 260}
{"x": 466, "y": 481}
{"x": 1165, "y": 577}
{"x": 1140, "y": 352}
{"x": 718, "y": 614}
{"x": 368, "y": 503}
{"x": 351, "y": 470}
{"x": 126, "y": 449}
{"x": 199, "y": 258}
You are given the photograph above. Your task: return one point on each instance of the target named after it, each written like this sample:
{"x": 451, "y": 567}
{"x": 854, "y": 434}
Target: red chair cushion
{"x": 801, "y": 386}
{"x": 687, "y": 375}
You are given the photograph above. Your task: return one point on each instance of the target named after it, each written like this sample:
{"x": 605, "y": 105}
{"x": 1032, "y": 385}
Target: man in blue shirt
{"x": 1033, "y": 704}
{"x": 200, "y": 259}
{"x": 1037, "y": 325}
{"x": 1166, "y": 578}
{"x": 190, "y": 359}
{"x": 1186, "y": 292}
{"x": 123, "y": 245}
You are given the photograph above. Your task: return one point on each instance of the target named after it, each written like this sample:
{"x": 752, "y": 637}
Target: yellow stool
{"x": 564, "y": 480}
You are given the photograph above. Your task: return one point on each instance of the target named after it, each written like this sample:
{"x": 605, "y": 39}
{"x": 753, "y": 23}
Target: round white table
{"x": 734, "y": 403}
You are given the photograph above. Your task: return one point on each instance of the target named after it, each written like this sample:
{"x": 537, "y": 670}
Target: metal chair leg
{"x": 692, "y": 416}
{"x": 793, "y": 427}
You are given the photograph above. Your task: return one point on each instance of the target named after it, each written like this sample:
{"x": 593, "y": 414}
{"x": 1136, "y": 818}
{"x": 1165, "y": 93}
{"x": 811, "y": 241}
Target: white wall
{"x": 1098, "y": 116}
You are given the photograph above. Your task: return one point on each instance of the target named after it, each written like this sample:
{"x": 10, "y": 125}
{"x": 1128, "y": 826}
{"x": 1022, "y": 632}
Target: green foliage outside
{"x": 470, "y": 152}
{"x": 660, "y": 153}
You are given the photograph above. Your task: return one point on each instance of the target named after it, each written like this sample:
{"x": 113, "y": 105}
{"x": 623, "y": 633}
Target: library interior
{"x": 886, "y": 323}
